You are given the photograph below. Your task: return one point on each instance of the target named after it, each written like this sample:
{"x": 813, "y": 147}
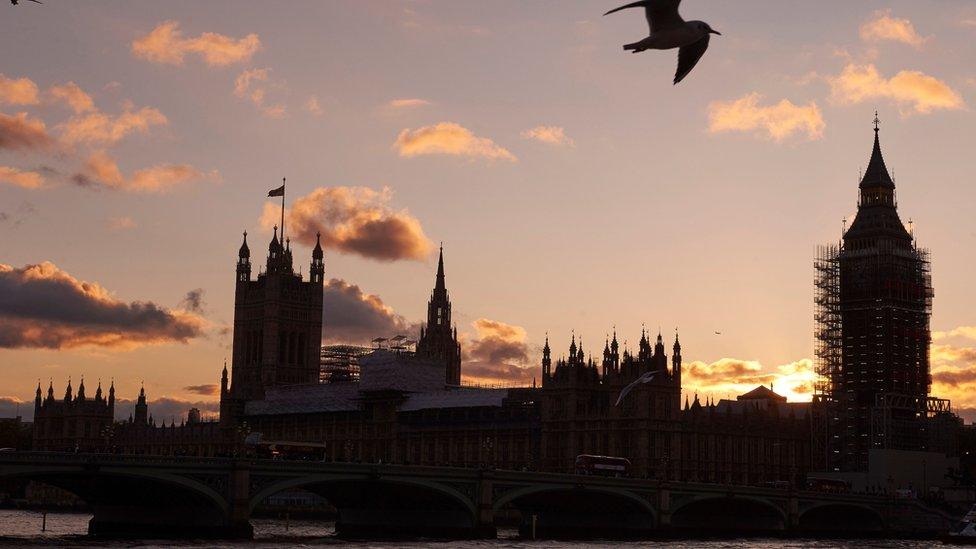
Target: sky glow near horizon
{"x": 574, "y": 188}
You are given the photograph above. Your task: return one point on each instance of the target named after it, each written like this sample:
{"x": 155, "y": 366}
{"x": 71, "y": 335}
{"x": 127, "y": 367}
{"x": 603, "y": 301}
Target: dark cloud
{"x": 354, "y": 220}
{"x": 350, "y": 315}
{"x": 498, "y": 354}
{"x": 968, "y": 414}
{"x": 205, "y": 390}
{"x": 13, "y": 407}
{"x": 955, "y": 378}
{"x": 22, "y": 133}
{"x": 167, "y": 409}
{"x": 84, "y": 181}
{"x": 193, "y": 301}
{"x": 42, "y": 306}
{"x": 18, "y": 216}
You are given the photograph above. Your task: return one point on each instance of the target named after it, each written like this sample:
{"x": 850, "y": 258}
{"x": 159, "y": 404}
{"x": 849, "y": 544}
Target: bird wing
{"x": 688, "y": 57}
{"x": 661, "y": 14}
{"x": 647, "y": 377}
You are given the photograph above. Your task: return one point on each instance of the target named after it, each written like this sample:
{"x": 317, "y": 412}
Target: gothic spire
{"x": 317, "y": 251}
{"x": 877, "y": 173}
{"x": 244, "y": 252}
{"x": 439, "y": 284}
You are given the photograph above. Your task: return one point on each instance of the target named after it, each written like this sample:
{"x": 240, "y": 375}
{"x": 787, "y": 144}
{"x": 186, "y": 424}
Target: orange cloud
{"x": 498, "y": 354}
{"x": 407, "y": 103}
{"x": 312, "y": 105}
{"x": 20, "y": 91}
{"x": 245, "y": 87}
{"x": 553, "y": 135}
{"x": 354, "y": 220}
{"x": 885, "y": 27}
{"x": 101, "y": 169}
{"x": 73, "y": 96}
{"x": 733, "y": 376}
{"x": 26, "y": 180}
{"x": 20, "y": 132}
{"x": 45, "y": 307}
{"x": 913, "y": 91}
{"x": 451, "y": 139}
{"x": 776, "y": 122}
{"x": 165, "y": 44}
{"x": 99, "y": 128}
{"x": 968, "y": 332}
{"x": 121, "y": 223}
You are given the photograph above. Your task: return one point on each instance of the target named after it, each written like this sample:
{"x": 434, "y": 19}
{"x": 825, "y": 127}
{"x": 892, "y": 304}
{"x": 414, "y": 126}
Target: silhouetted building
{"x": 584, "y": 410}
{"x": 438, "y": 337}
{"x": 75, "y": 423}
{"x": 277, "y": 323}
{"x": 580, "y": 413}
{"x": 874, "y": 300}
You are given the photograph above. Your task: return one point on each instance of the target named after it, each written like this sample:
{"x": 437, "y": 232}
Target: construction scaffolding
{"x": 828, "y": 341}
{"x": 873, "y": 303}
{"x": 829, "y": 336}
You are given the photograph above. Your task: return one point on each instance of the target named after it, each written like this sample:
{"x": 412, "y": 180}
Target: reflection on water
{"x": 18, "y": 528}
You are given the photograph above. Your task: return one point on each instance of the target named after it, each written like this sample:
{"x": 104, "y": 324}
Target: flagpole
{"x": 282, "y": 212}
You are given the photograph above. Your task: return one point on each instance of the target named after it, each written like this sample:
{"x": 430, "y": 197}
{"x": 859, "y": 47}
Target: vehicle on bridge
{"x": 604, "y": 466}
{"x": 284, "y": 450}
{"x": 828, "y": 485}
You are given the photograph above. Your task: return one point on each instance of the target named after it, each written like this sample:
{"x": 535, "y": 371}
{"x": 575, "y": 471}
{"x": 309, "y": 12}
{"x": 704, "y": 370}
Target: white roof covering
{"x": 297, "y": 399}
{"x": 383, "y": 370}
{"x": 421, "y": 381}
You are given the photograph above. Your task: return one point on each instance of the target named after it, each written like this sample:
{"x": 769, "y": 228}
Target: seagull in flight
{"x": 646, "y": 378}
{"x": 14, "y": 2}
{"x": 669, "y": 31}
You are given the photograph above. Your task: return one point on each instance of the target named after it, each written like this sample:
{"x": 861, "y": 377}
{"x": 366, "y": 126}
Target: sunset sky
{"x": 573, "y": 186}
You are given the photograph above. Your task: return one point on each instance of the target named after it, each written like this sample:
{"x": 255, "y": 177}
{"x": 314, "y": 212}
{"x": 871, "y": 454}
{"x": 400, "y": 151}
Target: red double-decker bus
{"x": 604, "y": 466}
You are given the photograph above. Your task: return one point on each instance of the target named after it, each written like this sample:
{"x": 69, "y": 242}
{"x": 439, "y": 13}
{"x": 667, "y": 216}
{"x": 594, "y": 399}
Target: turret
{"x": 81, "y": 390}
{"x": 317, "y": 270}
{"x": 67, "y": 391}
{"x": 98, "y": 391}
{"x": 244, "y": 262}
{"x": 223, "y": 381}
{"x": 111, "y": 398}
{"x": 37, "y": 399}
{"x": 50, "y": 391}
{"x": 142, "y": 408}
{"x": 546, "y": 360}
{"x": 676, "y": 361}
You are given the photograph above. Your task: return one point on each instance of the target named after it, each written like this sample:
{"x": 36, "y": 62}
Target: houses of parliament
{"x": 411, "y": 406}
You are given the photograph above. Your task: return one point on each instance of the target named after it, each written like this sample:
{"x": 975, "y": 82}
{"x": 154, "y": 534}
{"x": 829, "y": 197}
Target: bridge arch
{"x": 320, "y": 480}
{"x": 828, "y": 517}
{"x": 580, "y": 511}
{"x": 371, "y": 506}
{"x": 513, "y": 495}
{"x": 729, "y": 513}
{"x": 132, "y": 501}
{"x": 78, "y": 480}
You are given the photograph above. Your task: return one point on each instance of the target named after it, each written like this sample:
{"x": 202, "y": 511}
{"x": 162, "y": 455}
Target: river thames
{"x": 23, "y": 528}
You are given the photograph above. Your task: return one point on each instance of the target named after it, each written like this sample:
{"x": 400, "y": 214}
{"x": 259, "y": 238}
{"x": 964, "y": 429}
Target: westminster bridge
{"x": 167, "y": 496}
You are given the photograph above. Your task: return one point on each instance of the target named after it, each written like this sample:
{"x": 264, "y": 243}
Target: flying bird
{"x": 718, "y": 333}
{"x": 646, "y": 378}
{"x": 669, "y": 31}
{"x": 15, "y": 2}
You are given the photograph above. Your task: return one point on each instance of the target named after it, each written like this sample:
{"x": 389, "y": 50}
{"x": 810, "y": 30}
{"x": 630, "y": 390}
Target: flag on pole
{"x": 280, "y": 191}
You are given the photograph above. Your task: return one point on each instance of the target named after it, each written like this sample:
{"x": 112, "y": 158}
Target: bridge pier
{"x": 484, "y": 527}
